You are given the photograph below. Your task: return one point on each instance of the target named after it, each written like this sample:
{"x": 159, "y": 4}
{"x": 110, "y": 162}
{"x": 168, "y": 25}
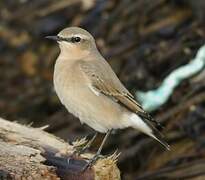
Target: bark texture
{"x": 31, "y": 153}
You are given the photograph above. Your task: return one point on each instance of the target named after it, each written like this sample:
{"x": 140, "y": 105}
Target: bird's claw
{"x": 92, "y": 161}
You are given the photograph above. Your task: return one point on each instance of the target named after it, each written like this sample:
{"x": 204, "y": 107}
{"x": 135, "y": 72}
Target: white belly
{"x": 91, "y": 109}
{"x": 97, "y": 111}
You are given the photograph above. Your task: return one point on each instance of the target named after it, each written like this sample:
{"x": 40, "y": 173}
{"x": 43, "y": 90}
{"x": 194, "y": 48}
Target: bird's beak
{"x": 55, "y": 38}
{"x": 58, "y": 38}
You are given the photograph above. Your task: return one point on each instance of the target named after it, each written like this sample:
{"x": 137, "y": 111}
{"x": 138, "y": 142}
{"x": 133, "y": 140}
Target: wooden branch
{"x": 31, "y": 153}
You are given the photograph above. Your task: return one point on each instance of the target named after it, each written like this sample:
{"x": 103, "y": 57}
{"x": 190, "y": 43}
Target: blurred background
{"x": 143, "y": 41}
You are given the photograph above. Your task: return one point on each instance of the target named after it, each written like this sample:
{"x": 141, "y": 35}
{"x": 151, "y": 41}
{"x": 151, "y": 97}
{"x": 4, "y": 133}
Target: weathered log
{"x": 31, "y": 153}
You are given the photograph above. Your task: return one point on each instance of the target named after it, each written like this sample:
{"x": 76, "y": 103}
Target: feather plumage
{"x": 107, "y": 83}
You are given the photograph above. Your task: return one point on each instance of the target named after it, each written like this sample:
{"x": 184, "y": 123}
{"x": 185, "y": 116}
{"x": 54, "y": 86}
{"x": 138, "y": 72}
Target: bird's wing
{"x": 106, "y": 82}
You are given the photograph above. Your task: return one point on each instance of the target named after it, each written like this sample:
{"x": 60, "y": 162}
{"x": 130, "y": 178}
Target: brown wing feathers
{"x": 113, "y": 87}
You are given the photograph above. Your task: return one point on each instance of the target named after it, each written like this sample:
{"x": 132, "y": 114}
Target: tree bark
{"x": 31, "y": 153}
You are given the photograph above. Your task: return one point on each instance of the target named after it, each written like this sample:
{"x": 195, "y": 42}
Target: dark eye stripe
{"x": 75, "y": 39}
{"x": 62, "y": 39}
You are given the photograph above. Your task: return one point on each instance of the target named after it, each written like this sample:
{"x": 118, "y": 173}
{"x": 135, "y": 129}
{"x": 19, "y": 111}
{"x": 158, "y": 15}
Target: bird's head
{"x": 74, "y": 41}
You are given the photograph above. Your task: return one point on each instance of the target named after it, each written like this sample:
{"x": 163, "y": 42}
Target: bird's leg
{"x": 97, "y": 155}
{"x": 103, "y": 142}
{"x": 83, "y": 149}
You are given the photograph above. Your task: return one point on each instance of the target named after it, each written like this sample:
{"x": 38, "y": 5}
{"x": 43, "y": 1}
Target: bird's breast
{"x": 71, "y": 88}
{"x": 79, "y": 97}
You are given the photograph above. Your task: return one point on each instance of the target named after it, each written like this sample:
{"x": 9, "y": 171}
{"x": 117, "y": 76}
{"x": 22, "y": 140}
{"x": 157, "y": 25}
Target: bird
{"x": 90, "y": 90}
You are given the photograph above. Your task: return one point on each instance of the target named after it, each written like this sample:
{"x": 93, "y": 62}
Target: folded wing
{"x": 106, "y": 82}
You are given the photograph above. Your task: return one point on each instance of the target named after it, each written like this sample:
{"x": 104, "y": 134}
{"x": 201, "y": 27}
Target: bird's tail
{"x": 146, "y": 127}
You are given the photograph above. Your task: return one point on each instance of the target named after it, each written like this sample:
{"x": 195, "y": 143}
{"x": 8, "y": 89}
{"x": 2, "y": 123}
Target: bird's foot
{"x": 114, "y": 156}
{"x": 92, "y": 161}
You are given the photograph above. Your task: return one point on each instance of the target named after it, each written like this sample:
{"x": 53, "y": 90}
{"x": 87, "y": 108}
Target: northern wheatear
{"x": 87, "y": 86}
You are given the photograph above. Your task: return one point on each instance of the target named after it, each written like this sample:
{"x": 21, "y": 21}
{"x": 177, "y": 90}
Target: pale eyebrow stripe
{"x": 80, "y": 35}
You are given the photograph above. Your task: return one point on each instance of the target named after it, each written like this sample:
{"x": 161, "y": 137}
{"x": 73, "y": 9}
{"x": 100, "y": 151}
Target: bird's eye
{"x": 75, "y": 39}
